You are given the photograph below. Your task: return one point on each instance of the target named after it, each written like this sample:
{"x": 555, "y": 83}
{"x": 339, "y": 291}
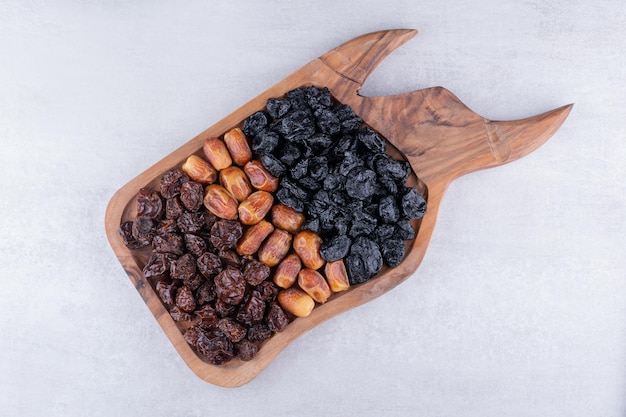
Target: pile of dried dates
{"x": 271, "y": 220}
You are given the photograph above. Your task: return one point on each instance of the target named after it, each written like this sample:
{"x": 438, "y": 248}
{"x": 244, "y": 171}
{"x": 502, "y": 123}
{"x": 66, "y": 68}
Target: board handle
{"x": 443, "y": 139}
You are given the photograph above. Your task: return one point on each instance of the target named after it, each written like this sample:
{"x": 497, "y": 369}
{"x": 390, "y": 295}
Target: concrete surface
{"x": 519, "y": 308}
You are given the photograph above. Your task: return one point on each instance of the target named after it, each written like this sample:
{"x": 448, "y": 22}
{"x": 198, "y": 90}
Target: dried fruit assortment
{"x": 299, "y": 204}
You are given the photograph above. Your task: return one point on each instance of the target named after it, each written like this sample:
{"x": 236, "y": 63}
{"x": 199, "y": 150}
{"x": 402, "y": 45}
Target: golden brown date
{"x": 336, "y": 276}
{"x": 236, "y": 182}
{"x": 217, "y": 154}
{"x": 287, "y": 218}
{"x": 275, "y": 247}
{"x": 237, "y": 145}
{"x": 219, "y": 202}
{"x": 254, "y": 208}
{"x": 253, "y": 237}
{"x": 199, "y": 170}
{"x": 307, "y": 245}
{"x": 259, "y": 177}
{"x": 287, "y": 271}
{"x": 314, "y": 284}
{"x": 296, "y": 301}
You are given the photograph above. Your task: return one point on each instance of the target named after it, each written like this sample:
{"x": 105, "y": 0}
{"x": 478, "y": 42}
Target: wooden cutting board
{"x": 440, "y": 137}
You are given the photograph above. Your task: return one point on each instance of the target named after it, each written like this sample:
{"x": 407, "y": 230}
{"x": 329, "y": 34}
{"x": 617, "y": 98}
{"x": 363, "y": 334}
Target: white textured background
{"x": 519, "y": 308}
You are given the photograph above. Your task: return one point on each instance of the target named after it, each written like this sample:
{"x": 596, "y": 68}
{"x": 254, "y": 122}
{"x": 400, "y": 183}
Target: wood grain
{"x": 440, "y": 137}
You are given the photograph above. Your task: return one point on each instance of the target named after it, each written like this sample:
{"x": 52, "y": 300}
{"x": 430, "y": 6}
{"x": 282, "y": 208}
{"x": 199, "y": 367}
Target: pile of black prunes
{"x": 334, "y": 170}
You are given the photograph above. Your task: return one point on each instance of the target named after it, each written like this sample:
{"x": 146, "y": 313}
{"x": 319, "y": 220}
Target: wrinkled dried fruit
{"x": 220, "y": 202}
{"x": 246, "y": 350}
{"x": 234, "y": 331}
{"x": 275, "y": 247}
{"x": 255, "y": 272}
{"x": 277, "y": 320}
{"x": 199, "y": 170}
{"x": 171, "y": 182}
{"x": 230, "y": 286}
{"x": 185, "y": 300}
{"x": 296, "y": 301}
{"x": 206, "y": 317}
{"x": 254, "y": 208}
{"x": 149, "y": 204}
{"x": 191, "y": 195}
{"x": 287, "y": 271}
{"x": 307, "y": 245}
{"x": 225, "y": 234}
{"x": 217, "y": 154}
{"x": 209, "y": 265}
{"x": 259, "y": 332}
{"x": 237, "y": 145}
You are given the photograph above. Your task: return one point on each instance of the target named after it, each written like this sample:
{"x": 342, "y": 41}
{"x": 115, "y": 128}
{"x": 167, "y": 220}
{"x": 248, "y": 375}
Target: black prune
{"x": 346, "y": 143}
{"x": 369, "y": 252}
{"x": 296, "y": 125}
{"x": 320, "y": 142}
{"x": 348, "y": 164}
{"x": 392, "y": 251}
{"x": 297, "y": 99}
{"x": 404, "y": 229}
{"x": 348, "y": 119}
{"x": 300, "y": 169}
{"x": 361, "y": 183}
{"x": 388, "y": 210}
{"x": 273, "y": 165}
{"x": 371, "y": 140}
{"x": 293, "y": 189}
{"x": 317, "y": 98}
{"x": 327, "y": 121}
{"x": 413, "y": 204}
{"x": 328, "y": 218}
{"x": 333, "y": 182}
{"x": 277, "y": 107}
{"x": 335, "y": 248}
{"x": 285, "y": 197}
{"x": 149, "y": 204}
{"x": 385, "y": 166}
{"x": 383, "y": 232}
{"x": 312, "y": 224}
{"x": 265, "y": 142}
{"x": 309, "y": 183}
{"x": 318, "y": 167}
{"x": 356, "y": 269}
{"x": 289, "y": 154}
{"x": 362, "y": 224}
{"x": 255, "y": 124}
